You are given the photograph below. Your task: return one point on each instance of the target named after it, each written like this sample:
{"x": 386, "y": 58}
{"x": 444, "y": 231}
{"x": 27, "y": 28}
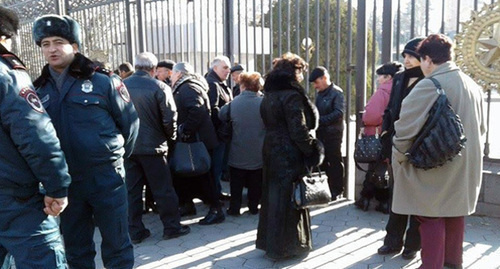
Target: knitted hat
{"x": 317, "y": 72}
{"x": 411, "y": 47}
{"x": 390, "y": 68}
{"x": 55, "y": 25}
{"x": 9, "y": 22}
{"x": 169, "y": 64}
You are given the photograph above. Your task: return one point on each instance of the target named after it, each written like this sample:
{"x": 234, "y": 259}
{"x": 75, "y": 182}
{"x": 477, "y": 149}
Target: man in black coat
{"x": 330, "y": 104}
{"x": 157, "y": 112}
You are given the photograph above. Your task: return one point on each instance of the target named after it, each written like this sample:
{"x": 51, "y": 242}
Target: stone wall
{"x": 489, "y": 197}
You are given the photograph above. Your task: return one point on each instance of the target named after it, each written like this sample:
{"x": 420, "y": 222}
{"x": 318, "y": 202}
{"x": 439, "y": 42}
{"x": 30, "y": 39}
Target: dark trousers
{"x": 372, "y": 189}
{"x": 98, "y": 199}
{"x": 396, "y": 227}
{"x": 153, "y": 170}
{"x": 30, "y": 235}
{"x": 250, "y": 178}
{"x": 442, "y": 241}
{"x": 332, "y": 164}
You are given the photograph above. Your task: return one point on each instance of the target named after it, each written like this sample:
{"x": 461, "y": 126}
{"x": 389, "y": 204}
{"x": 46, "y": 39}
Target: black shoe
{"x": 254, "y": 211}
{"x": 383, "y": 207}
{"x": 187, "y": 210}
{"x": 182, "y": 231}
{"x": 141, "y": 236}
{"x": 409, "y": 254}
{"x": 363, "y": 203}
{"x": 385, "y": 250}
{"x": 224, "y": 196}
{"x": 232, "y": 212}
{"x": 213, "y": 217}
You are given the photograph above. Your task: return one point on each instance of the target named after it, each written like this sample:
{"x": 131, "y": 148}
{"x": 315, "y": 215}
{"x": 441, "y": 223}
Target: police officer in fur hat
{"x": 30, "y": 155}
{"x": 97, "y": 125}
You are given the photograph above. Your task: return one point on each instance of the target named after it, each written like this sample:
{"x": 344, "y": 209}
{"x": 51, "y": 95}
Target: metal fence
{"x": 350, "y": 38}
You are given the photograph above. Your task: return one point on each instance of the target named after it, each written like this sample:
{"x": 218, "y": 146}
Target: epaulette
{"x": 105, "y": 71}
{"x": 13, "y": 61}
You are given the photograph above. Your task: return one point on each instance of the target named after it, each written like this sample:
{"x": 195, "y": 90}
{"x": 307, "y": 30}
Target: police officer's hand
{"x": 54, "y": 206}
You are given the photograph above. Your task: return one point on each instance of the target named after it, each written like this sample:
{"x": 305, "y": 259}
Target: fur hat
{"x": 411, "y": 47}
{"x": 55, "y": 25}
{"x": 390, "y": 68}
{"x": 317, "y": 72}
{"x": 169, "y": 64}
{"x": 9, "y": 22}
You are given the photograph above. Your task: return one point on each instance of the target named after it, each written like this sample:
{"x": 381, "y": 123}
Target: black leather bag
{"x": 441, "y": 138}
{"x": 190, "y": 159}
{"x": 368, "y": 148}
{"x": 225, "y": 130}
{"x": 312, "y": 190}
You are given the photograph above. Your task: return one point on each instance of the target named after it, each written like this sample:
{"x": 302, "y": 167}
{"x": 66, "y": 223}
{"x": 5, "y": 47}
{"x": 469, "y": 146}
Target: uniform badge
{"x": 122, "y": 90}
{"x": 87, "y": 86}
{"x": 30, "y": 96}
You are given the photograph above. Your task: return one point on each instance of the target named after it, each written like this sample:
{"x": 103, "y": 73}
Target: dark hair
{"x": 438, "y": 47}
{"x": 126, "y": 67}
{"x": 251, "y": 81}
{"x": 389, "y": 68}
{"x": 289, "y": 63}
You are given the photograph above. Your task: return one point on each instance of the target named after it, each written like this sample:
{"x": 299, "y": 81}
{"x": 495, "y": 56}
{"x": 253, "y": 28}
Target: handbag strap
{"x": 438, "y": 86}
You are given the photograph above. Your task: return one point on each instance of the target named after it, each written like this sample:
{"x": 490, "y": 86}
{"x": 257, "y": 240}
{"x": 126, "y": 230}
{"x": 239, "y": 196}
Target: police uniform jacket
{"x": 157, "y": 112}
{"x": 30, "y": 151}
{"x": 330, "y": 104}
{"x": 93, "y": 115}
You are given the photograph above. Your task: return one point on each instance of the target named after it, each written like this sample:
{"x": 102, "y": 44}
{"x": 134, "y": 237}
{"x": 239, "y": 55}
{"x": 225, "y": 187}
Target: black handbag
{"x": 190, "y": 159}
{"x": 225, "y": 130}
{"x": 441, "y": 138}
{"x": 311, "y": 190}
{"x": 368, "y": 147}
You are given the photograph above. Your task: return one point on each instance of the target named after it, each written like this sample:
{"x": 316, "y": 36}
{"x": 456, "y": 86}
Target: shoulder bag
{"x": 442, "y": 136}
{"x": 368, "y": 147}
{"x": 311, "y": 190}
{"x": 190, "y": 159}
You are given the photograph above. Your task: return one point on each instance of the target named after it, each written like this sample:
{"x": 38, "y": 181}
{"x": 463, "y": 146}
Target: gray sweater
{"x": 248, "y": 131}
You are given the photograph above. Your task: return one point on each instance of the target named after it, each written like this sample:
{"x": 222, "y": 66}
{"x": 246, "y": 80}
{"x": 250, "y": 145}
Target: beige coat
{"x": 451, "y": 190}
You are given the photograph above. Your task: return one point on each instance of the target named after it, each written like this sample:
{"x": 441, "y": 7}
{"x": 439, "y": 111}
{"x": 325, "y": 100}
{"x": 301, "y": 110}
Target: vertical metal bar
{"x": 254, "y": 36}
{"x": 486, "y": 150}
{"x": 457, "y": 29}
{"x": 271, "y": 29}
{"x": 140, "y": 25}
{"x": 130, "y": 45}
{"x": 175, "y": 31}
{"x": 398, "y": 31}
{"x": 188, "y": 50}
{"x": 348, "y": 88}
{"x": 262, "y": 36}
{"x": 387, "y": 32}
{"x": 239, "y": 31}
{"x": 158, "y": 30}
{"x": 427, "y": 3}
{"x": 317, "y": 33}
{"x": 246, "y": 31}
{"x": 412, "y": 27}
{"x": 280, "y": 30}
{"x": 202, "y": 58}
{"x": 288, "y": 25}
{"x": 327, "y": 35}
{"x": 229, "y": 22}
{"x": 169, "y": 31}
{"x": 216, "y": 29}
{"x": 442, "y": 17}
{"x": 181, "y": 32}
{"x": 307, "y": 49}
{"x": 475, "y": 5}
{"x": 337, "y": 56}
{"x": 374, "y": 37}
{"x": 297, "y": 27}
{"x": 194, "y": 37}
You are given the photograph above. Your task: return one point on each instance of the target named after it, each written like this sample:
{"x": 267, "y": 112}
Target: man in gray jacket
{"x": 148, "y": 163}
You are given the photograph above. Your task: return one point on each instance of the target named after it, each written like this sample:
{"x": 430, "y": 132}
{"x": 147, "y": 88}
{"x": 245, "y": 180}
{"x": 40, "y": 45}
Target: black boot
{"x": 383, "y": 207}
{"x": 363, "y": 203}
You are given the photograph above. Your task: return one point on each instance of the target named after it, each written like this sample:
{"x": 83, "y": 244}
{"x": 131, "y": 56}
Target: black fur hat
{"x": 390, "y": 68}
{"x": 9, "y": 22}
{"x": 411, "y": 47}
{"x": 55, "y": 25}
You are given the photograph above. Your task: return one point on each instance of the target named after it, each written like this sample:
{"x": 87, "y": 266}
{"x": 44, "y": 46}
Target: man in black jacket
{"x": 330, "y": 104}
{"x": 157, "y": 112}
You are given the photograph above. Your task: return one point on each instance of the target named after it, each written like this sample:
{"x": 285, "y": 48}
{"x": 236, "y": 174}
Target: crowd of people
{"x": 82, "y": 143}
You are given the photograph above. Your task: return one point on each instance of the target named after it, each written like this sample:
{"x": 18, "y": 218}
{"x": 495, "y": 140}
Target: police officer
{"x": 330, "y": 104}
{"x": 97, "y": 125}
{"x": 30, "y": 154}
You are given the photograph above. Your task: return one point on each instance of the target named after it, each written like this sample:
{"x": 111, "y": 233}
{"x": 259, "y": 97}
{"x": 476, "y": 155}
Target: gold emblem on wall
{"x": 478, "y": 46}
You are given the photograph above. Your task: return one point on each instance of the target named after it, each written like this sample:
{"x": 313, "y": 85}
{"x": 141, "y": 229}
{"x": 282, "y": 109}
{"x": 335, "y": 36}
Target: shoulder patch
{"x": 13, "y": 61}
{"x": 30, "y": 96}
{"x": 122, "y": 89}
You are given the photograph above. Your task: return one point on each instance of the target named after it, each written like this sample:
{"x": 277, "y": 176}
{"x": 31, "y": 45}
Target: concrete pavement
{"x": 343, "y": 237}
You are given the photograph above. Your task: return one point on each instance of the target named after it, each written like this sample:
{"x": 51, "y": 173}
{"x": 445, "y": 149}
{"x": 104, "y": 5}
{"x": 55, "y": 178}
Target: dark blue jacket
{"x": 157, "y": 113}
{"x": 331, "y": 107}
{"x": 29, "y": 149}
{"x": 93, "y": 116}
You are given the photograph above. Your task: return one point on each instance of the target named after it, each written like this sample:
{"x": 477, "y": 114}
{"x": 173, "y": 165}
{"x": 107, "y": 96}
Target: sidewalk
{"x": 343, "y": 237}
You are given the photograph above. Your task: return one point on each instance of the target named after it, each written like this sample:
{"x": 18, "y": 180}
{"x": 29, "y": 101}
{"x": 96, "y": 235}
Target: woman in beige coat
{"x": 442, "y": 196}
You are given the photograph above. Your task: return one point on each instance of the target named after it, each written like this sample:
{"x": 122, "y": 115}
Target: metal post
{"x": 60, "y": 7}
{"x": 141, "y": 35}
{"x": 387, "y": 32}
{"x": 130, "y": 41}
{"x": 348, "y": 169}
{"x": 229, "y": 28}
